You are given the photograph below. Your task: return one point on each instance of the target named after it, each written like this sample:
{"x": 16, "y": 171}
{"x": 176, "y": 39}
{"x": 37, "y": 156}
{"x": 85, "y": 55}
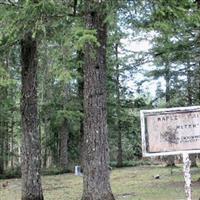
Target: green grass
{"x": 134, "y": 183}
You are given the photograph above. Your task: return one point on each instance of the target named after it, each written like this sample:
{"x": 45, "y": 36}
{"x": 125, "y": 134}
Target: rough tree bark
{"x": 31, "y": 161}
{"x": 96, "y": 185}
{"x": 64, "y": 135}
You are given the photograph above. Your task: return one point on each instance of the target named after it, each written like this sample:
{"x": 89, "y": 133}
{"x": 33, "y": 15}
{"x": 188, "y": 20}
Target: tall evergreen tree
{"x": 96, "y": 183}
{"x": 31, "y": 160}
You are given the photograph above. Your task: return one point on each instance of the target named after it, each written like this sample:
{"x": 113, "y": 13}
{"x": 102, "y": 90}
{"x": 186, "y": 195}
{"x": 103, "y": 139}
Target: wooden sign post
{"x": 187, "y": 176}
{"x": 170, "y": 132}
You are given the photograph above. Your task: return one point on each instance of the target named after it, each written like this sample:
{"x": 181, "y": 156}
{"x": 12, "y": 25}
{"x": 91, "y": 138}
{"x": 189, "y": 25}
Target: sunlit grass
{"x": 136, "y": 183}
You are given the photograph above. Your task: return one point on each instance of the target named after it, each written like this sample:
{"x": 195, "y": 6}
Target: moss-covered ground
{"x": 134, "y": 183}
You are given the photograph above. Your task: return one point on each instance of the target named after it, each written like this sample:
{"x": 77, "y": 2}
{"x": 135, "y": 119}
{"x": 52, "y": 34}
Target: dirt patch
{"x": 125, "y": 195}
{"x": 55, "y": 188}
{"x": 177, "y": 184}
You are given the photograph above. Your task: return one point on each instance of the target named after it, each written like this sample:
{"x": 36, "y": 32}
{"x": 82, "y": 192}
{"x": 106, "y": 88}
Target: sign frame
{"x": 145, "y": 113}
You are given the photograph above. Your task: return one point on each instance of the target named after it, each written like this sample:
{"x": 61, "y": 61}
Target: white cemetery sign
{"x": 172, "y": 131}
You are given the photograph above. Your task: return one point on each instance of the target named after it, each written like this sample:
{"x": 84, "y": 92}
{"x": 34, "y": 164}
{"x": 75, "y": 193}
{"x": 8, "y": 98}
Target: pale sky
{"x": 141, "y": 45}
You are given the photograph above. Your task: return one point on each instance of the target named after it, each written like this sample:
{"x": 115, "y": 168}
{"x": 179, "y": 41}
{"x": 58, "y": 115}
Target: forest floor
{"x": 134, "y": 183}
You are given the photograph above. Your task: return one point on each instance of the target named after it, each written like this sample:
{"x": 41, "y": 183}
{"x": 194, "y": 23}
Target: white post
{"x": 187, "y": 175}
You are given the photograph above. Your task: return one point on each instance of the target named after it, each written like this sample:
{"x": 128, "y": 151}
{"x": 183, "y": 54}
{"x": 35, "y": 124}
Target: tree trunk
{"x": 3, "y": 96}
{"x": 80, "y": 56}
{"x": 198, "y": 3}
{"x": 167, "y": 81}
{"x": 12, "y": 143}
{"x": 45, "y": 143}
{"x": 119, "y": 145}
{"x": 193, "y": 158}
{"x": 119, "y": 136}
{"x": 31, "y": 161}
{"x": 6, "y": 144}
{"x": 189, "y": 103}
{"x": 64, "y": 134}
{"x": 170, "y": 160}
{"x": 1, "y": 147}
{"x": 189, "y": 85}
{"x": 96, "y": 185}
{"x": 7, "y": 120}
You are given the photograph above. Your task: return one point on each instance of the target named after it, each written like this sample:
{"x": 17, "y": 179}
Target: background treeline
{"x": 172, "y": 60}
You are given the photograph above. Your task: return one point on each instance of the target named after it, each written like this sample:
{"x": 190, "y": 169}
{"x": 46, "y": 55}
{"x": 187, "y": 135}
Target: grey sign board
{"x": 170, "y": 131}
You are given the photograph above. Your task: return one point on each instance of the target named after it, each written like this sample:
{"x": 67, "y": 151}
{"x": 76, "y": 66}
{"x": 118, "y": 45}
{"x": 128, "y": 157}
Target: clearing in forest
{"x": 134, "y": 183}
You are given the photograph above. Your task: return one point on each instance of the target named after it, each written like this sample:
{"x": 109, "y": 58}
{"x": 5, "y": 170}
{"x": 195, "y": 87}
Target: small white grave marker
{"x": 78, "y": 171}
{"x": 170, "y": 132}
